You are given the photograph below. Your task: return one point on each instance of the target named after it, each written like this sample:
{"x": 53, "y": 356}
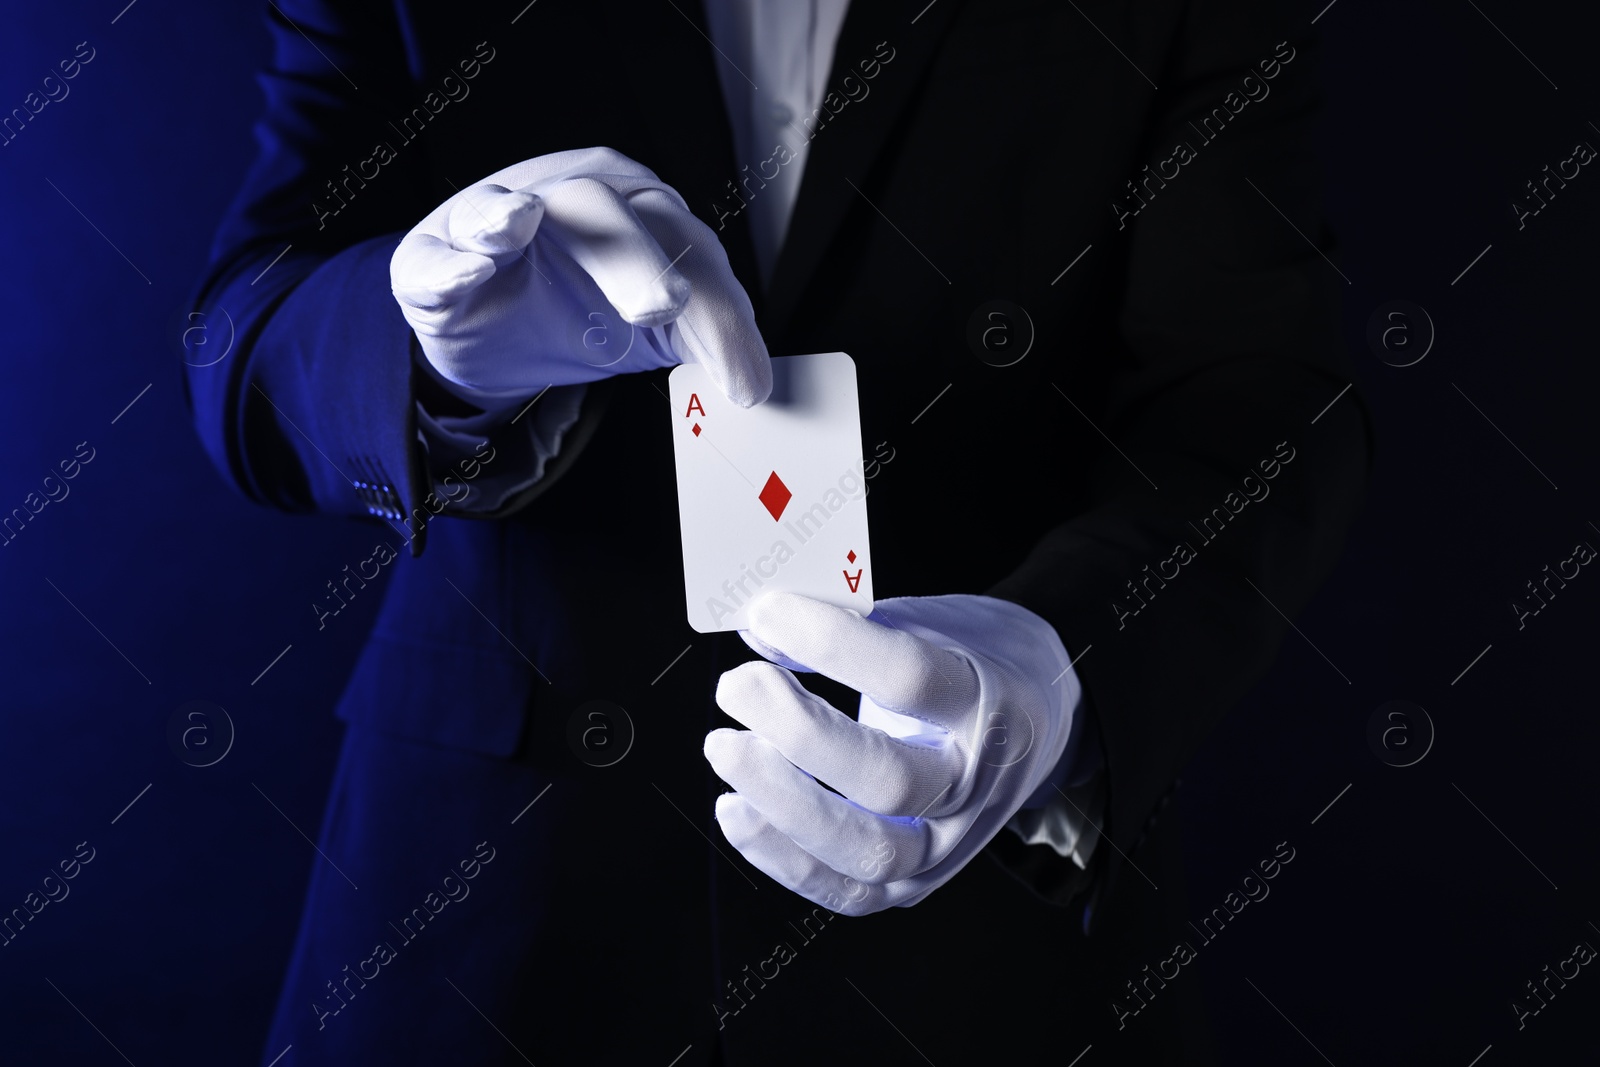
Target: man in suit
{"x": 1122, "y": 498}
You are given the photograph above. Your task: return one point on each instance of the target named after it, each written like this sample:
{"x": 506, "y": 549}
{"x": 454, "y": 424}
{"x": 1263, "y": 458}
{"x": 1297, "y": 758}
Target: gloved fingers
{"x": 792, "y": 866}
{"x": 766, "y": 651}
{"x": 428, "y": 275}
{"x": 494, "y": 221}
{"x": 718, "y": 327}
{"x": 844, "y": 835}
{"x": 592, "y": 223}
{"x": 540, "y": 172}
{"x": 1001, "y": 737}
{"x": 898, "y": 670}
{"x": 895, "y": 724}
{"x": 881, "y": 773}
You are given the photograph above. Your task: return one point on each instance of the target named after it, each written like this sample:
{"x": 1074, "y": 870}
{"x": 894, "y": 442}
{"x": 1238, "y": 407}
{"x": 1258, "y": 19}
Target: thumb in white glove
{"x": 569, "y": 268}
{"x": 967, "y": 707}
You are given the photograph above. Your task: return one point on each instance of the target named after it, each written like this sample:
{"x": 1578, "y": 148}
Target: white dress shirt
{"x": 774, "y": 64}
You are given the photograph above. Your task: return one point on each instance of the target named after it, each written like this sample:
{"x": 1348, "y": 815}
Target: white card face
{"x": 771, "y": 498}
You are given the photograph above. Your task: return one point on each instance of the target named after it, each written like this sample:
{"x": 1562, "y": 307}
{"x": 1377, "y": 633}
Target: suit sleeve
{"x": 316, "y": 405}
{"x": 1169, "y": 584}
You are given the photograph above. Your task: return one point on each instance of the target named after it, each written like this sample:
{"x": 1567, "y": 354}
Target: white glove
{"x": 539, "y": 274}
{"x": 967, "y": 704}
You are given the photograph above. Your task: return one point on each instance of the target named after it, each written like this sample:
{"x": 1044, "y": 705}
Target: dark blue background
{"x": 1400, "y": 932}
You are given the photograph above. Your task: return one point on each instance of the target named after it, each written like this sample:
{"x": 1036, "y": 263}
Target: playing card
{"x": 774, "y": 497}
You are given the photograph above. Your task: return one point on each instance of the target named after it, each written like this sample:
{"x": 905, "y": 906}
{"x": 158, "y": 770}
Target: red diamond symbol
{"x": 852, "y": 556}
{"x": 697, "y": 429}
{"x": 775, "y": 496}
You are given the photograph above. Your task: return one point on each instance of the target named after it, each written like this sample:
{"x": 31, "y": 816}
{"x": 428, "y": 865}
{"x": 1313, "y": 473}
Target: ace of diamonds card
{"x": 771, "y": 498}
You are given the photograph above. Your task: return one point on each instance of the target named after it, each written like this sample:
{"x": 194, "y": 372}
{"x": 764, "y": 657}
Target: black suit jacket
{"x": 1188, "y": 347}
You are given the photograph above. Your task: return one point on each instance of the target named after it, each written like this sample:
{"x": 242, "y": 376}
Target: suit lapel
{"x": 665, "y": 48}
{"x": 846, "y": 148}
